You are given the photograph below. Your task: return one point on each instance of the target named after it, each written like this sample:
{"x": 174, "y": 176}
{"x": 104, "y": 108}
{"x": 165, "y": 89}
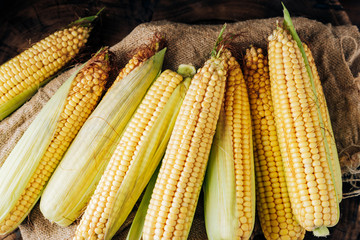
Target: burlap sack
{"x": 336, "y": 52}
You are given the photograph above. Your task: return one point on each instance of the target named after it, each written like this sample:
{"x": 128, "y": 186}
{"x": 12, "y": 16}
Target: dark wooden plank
{"x": 203, "y": 11}
{"x": 352, "y": 8}
{"x": 25, "y": 22}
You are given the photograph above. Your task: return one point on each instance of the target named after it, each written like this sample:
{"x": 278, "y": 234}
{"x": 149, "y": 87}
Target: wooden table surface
{"x": 25, "y": 22}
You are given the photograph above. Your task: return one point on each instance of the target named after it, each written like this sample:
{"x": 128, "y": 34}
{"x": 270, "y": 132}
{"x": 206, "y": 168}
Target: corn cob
{"x": 229, "y": 186}
{"x": 31, "y": 171}
{"x": 137, "y": 225}
{"x": 74, "y": 181}
{"x": 273, "y": 203}
{"x": 304, "y": 132}
{"x": 178, "y": 185}
{"x": 21, "y": 76}
{"x": 128, "y": 163}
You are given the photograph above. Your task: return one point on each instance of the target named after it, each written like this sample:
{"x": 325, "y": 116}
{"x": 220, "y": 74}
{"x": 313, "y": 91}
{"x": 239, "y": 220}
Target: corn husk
{"x": 219, "y": 186}
{"x": 75, "y": 180}
{"x": 23, "y": 160}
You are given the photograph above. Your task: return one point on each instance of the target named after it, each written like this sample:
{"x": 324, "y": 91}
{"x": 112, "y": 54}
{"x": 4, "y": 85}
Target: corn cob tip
{"x": 104, "y": 51}
{"x": 146, "y": 51}
{"x": 159, "y": 41}
{"x": 100, "y": 57}
{"x": 321, "y": 232}
{"x": 186, "y": 70}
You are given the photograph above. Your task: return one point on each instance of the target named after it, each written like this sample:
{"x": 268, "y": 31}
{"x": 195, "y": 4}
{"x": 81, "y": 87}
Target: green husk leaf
{"x": 147, "y": 160}
{"x": 338, "y": 184}
{"x": 23, "y": 160}
{"x": 219, "y": 186}
{"x": 76, "y": 177}
{"x": 135, "y": 231}
{"x": 86, "y": 21}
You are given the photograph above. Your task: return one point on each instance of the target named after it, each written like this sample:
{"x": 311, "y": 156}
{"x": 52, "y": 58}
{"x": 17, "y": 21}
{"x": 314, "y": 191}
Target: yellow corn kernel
{"x": 274, "y": 210}
{"x": 95, "y": 74}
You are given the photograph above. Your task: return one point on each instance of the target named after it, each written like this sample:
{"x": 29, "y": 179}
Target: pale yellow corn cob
{"x": 305, "y": 136}
{"x": 175, "y": 195}
{"x": 273, "y": 203}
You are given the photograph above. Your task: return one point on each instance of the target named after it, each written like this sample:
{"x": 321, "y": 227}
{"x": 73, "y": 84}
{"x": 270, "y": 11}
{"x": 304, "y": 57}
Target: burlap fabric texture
{"x": 336, "y": 51}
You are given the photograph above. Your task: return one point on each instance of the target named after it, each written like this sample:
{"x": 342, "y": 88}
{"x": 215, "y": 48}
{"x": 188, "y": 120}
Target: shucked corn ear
{"x": 273, "y": 202}
{"x": 174, "y": 199}
{"x": 137, "y": 225}
{"x": 229, "y": 186}
{"x": 135, "y": 159}
{"x": 305, "y": 135}
{"x": 21, "y": 76}
{"x": 37, "y": 154}
{"x": 75, "y": 180}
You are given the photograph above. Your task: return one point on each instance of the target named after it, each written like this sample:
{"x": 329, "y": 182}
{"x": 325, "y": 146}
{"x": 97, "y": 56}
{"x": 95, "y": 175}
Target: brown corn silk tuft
{"x": 141, "y": 54}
